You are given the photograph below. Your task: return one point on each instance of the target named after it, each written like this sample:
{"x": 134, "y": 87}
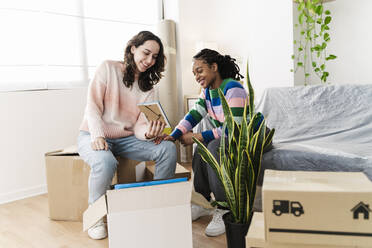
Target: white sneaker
{"x": 98, "y": 231}
{"x": 198, "y": 211}
{"x": 216, "y": 226}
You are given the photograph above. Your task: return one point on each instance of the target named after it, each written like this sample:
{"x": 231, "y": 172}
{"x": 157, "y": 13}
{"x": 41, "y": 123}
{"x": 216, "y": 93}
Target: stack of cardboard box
{"x": 313, "y": 209}
{"x": 151, "y": 216}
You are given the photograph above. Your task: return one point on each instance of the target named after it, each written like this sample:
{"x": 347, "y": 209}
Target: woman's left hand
{"x": 155, "y": 129}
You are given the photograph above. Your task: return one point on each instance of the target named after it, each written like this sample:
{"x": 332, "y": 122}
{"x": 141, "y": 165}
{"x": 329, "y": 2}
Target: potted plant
{"x": 310, "y": 48}
{"x": 239, "y": 167}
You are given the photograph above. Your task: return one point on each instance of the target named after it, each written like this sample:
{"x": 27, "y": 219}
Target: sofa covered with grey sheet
{"x": 319, "y": 128}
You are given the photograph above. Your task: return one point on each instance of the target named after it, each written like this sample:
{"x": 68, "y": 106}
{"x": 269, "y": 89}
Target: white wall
{"x": 36, "y": 122}
{"x": 261, "y": 31}
{"x": 351, "y": 39}
{"x": 33, "y": 123}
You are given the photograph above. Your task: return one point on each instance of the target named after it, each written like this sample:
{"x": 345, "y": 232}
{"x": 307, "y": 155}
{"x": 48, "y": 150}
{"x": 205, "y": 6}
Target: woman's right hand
{"x": 99, "y": 144}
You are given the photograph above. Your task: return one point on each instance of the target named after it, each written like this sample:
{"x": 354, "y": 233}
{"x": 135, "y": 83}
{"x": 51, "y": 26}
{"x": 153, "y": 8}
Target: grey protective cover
{"x": 319, "y": 128}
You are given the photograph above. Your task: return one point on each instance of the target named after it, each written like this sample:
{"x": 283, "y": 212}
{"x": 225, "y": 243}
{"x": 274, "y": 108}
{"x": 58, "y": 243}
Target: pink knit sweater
{"x": 111, "y": 110}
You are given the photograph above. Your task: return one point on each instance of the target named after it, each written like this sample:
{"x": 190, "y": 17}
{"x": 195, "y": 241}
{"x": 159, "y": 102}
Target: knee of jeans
{"x": 104, "y": 163}
{"x": 214, "y": 144}
{"x": 169, "y": 149}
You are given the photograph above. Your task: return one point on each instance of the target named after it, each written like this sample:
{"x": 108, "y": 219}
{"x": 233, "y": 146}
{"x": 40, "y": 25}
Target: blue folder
{"x": 150, "y": 183}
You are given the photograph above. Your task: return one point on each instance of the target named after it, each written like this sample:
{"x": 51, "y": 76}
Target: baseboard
{"x": 21, "y": 194}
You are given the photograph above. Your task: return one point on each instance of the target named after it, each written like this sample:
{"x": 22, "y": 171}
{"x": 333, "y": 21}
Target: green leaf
{"x": 251, "y": 95}
{"x": 309, "y": 5}
{"x": 220, "y": 203}
{"x": 326, "y": 27}
{"x": 301, "y": 7}
{"x": 229, "y": 191}
{"x": 300, "y": 49}
{"x": 331, "y": 56}
{"x": 291, "y": 70}
{"x": 229, "y": 119}
{"x": 243, "y": 138}
{"x": 208, "y": 157}
{"x": 317, "y": 69}
{"x": 302, "y": 32}
{"x": 313, "y": 64}
{"x": 292, "y": 56}
{"x": 327, "y": 20}
{"x": 299, "y": 64}
{"x": 301, "y": 18}
{"x": 307, "y": 74}
{"x": 322, "y": 67}
{"x": 269, "y": 138}
{"x": 327, "y": 12}
{"x": 319, "y": 9}
{"x": 324, "y": 45}
{"x": 240, "y": 191}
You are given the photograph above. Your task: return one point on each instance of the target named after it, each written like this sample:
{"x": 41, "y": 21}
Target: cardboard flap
{"x": 133, "y": 199}
{"x": 71, "y": 150}
{"x": 256, "y": 233}
{"x": 94, "y": 213}
{"x": 275, "y": 180}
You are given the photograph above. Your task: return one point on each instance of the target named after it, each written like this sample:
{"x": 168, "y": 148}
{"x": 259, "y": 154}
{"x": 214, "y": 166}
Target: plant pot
{"x": 235, "y": 232}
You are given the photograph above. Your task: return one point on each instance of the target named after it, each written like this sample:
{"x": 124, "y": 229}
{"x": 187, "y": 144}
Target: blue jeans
{"x": 103, "y": 163}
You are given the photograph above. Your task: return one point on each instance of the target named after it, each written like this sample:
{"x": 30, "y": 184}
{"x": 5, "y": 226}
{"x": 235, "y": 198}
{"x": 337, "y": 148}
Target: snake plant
{"x": 240, "y": 157}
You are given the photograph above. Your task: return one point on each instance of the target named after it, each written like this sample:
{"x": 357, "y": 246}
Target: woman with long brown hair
{"x": 113, "y": 124}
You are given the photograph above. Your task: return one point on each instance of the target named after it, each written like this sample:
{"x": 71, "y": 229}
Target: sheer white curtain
{"x": 53, "y": 44}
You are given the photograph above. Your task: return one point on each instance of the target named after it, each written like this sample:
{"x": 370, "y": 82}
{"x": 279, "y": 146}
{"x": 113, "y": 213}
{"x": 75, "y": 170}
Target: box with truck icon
{"x": 317, "y": 208}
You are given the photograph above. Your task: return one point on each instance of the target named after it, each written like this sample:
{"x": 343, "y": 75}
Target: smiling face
{"x": 145, "y": 55}
{"x": 204, "y": 73}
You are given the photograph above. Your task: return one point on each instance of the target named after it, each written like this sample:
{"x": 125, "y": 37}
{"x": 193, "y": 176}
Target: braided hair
{"x": 152, "y": 75}
{"x": 226, "y": 65}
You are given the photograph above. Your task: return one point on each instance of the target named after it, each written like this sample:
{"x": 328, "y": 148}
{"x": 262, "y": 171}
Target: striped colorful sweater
{"x": 210, "y": 103}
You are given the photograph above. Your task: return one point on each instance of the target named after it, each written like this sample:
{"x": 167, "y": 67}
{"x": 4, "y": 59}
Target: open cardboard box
{"x": 150, "y": 216}
{"x": 256, "y": 237}
{"x": 317, "y": 208}
{"x": 67, "y": 181}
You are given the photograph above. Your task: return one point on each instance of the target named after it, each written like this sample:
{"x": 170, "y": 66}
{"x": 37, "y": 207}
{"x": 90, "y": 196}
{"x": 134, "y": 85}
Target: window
{"x": 53, "y": 44}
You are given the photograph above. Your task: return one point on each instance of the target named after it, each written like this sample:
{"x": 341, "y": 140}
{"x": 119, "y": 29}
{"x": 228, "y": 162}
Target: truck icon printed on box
{"x": 286, "y": 207}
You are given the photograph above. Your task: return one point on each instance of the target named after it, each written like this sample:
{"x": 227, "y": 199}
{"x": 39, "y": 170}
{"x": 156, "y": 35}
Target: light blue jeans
{"x": 103, "y": 163}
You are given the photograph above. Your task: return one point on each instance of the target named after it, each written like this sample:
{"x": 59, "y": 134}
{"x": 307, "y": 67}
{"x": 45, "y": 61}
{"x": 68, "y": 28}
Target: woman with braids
{"x": 113, "y": 124}
{"x": 212, "y": 71}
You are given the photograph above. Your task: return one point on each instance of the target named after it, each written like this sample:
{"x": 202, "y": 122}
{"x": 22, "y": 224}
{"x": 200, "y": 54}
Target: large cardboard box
{"x": 256, "y": 237}
{"x": 141, "y": 217}
{"x": 318, "y": 208}
{"x": 67, "y": 181}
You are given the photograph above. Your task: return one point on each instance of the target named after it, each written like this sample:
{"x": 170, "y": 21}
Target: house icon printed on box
{"x": 361, "y": 208}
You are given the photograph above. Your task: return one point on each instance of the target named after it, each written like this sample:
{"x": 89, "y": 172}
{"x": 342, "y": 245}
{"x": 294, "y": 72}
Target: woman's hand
{"x": 99, "y": 144}
{"x": 169, "y": 138}
{"x": 155, "y": 129}
{"x": 186, "y": 139}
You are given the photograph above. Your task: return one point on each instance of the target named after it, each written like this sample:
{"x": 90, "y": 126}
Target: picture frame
{"x": 189, "y": 102}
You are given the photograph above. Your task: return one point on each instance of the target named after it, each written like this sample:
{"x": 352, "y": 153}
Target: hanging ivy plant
{"x": 311, "y": 48}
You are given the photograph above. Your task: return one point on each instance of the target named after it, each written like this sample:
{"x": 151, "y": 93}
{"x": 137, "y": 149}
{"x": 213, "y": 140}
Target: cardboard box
{"x": 67, "y": 181}
{"x": 141, "y": 217}
{"x": 256, "y": 237}
{"x": 318, "y": 208}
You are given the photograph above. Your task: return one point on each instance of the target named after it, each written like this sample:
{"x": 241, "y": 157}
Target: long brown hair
{"x": 152, "y": 75}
